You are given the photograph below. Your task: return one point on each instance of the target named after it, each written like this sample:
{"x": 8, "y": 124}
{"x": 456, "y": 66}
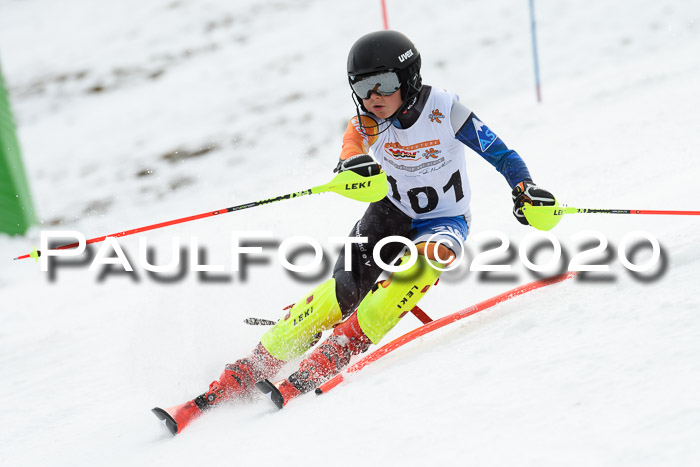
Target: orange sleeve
{"x": 358, "y": 140}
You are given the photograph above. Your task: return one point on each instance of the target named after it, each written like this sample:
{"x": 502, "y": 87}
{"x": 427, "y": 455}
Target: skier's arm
{"x": 473, "y": 133}
{"x": 356, "y": 143}
{"x": 358, "y": 140}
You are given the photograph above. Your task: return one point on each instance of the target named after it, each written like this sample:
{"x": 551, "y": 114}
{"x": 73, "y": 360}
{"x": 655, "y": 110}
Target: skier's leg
{"x": 320, "y": 309}
{"x": 439, "y": 241}
{"x": 289, "y": 338}
{"x": 336, "y": 299}
{"x": 381, "y": 309}
{"x": 377, "y": 314}
{"x": 381, "y": 220}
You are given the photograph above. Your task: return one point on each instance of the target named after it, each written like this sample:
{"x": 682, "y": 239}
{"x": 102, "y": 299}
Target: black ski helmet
{"x": 386, "y": 51}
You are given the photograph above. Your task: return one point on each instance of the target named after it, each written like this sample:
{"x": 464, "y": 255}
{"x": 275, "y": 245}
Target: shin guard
{"x": 382, "y": 308}
{"x": 293, "y": 335}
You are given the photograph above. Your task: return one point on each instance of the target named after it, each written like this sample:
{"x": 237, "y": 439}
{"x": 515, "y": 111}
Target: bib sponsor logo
{"x": 486, "y": 136}
{"x": 440, "y": 162}
{"x": 432, "y": 152}
{"x": 397, "y": 151}
{"x": 400, "y": 154}
{"x": 406, "y": 55}
{"x": 436, "y": 116}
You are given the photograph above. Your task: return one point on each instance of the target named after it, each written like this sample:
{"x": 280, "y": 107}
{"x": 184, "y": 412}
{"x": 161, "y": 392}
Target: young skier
{"x": 416, "y": 134}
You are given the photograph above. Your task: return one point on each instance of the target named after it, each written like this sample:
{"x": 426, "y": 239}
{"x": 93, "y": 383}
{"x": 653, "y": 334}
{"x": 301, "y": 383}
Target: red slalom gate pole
{"x": 421, "y": 315}
{"x": 384, "y": 16}
{"x": 437, "y": 324}
{"x": 535, "y": 58}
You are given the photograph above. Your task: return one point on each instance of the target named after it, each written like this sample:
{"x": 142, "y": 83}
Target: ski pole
{"x": 347, "y": 183}
{"x": 546, "y": 217}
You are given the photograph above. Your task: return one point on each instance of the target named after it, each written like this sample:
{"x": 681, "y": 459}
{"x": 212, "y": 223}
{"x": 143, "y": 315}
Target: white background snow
{"x": 111, "y": 98}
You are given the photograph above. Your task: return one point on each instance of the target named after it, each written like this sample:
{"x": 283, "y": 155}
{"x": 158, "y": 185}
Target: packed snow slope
{"x": 131, "y": 113}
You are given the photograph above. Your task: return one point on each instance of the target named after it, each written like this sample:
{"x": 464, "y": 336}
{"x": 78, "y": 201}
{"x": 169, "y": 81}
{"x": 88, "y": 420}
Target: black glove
{"x": 361, "y": 164}
{"x": 527, "y": 192}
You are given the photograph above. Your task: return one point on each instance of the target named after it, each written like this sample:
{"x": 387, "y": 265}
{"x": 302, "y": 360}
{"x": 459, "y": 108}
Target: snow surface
{"x": 112, "y": 97}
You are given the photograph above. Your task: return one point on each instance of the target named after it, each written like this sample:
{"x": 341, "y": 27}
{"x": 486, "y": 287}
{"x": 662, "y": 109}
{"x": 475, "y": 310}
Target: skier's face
{"x": 383, "y": 106}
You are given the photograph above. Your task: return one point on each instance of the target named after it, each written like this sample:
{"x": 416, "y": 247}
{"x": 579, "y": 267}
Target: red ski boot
{"x": 324, "y": 362}
{"x": 178, "y": 417}
{"x": 236, "y": 382}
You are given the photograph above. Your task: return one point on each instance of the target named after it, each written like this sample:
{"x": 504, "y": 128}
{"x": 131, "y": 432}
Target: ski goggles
{"x": 384, "y": 84}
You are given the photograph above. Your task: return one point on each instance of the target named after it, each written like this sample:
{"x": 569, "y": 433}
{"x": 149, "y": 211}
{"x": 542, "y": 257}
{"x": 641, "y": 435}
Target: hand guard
{"x": 361, "y": 164}
{"x": 527, "y": 192}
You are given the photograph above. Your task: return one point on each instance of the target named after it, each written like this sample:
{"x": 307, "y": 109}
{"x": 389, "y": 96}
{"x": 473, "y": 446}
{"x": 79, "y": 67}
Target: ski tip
{"x": 270, "y": 391}
{"x": 167, "y": 420}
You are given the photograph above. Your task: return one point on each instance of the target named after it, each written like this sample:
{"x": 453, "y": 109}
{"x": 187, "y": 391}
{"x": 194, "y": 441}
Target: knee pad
{"x": 382, "y": 308}
{"x": 297, "y": 331}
